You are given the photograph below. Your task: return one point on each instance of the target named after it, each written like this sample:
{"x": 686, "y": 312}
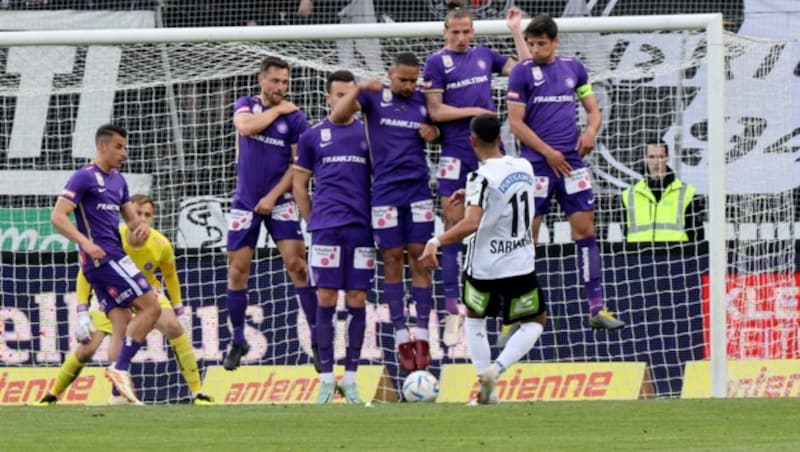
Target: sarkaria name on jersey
{"x": 507, "y": 246}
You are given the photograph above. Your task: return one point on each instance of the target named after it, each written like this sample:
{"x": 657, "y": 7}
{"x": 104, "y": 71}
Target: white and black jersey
{"x": 502, "y": 246}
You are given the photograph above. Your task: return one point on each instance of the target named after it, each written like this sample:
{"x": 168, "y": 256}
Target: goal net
{"x": 176, "y": 101}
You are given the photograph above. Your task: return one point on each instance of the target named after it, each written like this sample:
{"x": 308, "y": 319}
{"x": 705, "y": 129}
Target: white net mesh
{"x": 176, "y": 100}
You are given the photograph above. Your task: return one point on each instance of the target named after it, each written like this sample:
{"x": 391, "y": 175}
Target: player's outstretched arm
{"x": 137, "y": 227}
{"x": 441, "y": 112}
{"x": 83, "y": 333}
{"x": 593, "y": 119}
{"x": 59, "y": 218}
{"x": 468, "y": 225}
{"x": 170, "y": 273}
{"x": 348, "y": 105}
{"x": 520, "y": 129}
{"x": 284, "y": 185}
{"x": 514, "y": 21}
{"x": 300, "y": 191}
{"x": 249, "y": 124}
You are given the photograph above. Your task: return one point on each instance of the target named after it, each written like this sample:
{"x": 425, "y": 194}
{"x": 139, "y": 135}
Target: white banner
{"x": 762, "y": 102}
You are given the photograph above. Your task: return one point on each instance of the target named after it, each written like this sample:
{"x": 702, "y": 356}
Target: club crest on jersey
{"x": 257, "y": 108}
{"x": 387, "y": 95}
{"x": 447, "y": 60}
{"x": 100, "y": 181}
{"x": 282, "y": 127}
{"x": 537, "y": 73}
{"x": 570, "y": 82}
{"x": 482, "y": 64}
{"x": 325, "y": 134}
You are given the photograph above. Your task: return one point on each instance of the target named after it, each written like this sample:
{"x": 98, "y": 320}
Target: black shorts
{"x": 519, "y": 297}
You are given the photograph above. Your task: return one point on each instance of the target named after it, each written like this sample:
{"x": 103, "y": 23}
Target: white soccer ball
{"x": 420, "y": 386}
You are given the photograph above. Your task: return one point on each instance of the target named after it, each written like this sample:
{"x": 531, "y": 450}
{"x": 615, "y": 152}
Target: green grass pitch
{"x": 753, "y": 424}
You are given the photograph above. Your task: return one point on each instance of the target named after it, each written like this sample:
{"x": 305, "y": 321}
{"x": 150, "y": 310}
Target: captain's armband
{"x": 584, "y": 90}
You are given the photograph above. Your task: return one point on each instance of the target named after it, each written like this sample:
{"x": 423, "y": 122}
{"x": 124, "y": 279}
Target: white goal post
{"x": 710, "y": 24}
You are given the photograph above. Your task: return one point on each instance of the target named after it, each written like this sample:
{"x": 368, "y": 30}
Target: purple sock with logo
{"x": 393, "y": 296}
{"x": 237, "y": 304}
{"x": 589, "y": 271}
{"x": 308, "y": 303}
{"x": 323, "y": 330}
{"x": 128, "y": 351}
{"x": 355, "y": 336}
{"x": 450, "y": 270}
{"x": 423, "y": 297}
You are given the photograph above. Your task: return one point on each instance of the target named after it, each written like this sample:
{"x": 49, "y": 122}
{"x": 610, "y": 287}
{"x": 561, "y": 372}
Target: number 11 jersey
{"x": 502, "y": 246}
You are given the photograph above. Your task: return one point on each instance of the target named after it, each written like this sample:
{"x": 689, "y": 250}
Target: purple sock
{"x": 355, "y": 337}
{"x": 129, "y": 349}
{"x": 237, "y": 304}
{"x": 589, "y": 264}
{"x": 450, "y": 270}
{"x": 393, "y": 296}
{"x": 308, "y": 302}
{"x": 423, "y": 297}
{"x": 451, "y": 305}
{"x": 114, "y": 391}
{"x": 323, "y": 330}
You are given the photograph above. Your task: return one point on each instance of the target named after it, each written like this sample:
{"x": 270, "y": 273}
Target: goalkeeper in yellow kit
{"x": 93, "y": 326}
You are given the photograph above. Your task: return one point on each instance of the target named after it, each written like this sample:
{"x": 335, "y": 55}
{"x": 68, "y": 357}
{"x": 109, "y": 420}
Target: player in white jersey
{"x": 499, "y": 272}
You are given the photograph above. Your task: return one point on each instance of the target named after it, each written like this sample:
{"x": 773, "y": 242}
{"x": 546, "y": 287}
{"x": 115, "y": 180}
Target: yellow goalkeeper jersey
{"x": 156, "y": 253}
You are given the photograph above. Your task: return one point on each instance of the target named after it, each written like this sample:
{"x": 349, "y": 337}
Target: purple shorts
{"x": 451, "y": 174}
{"x": 342, "y": 258}
{"x": 574, "y": 192}
{"x": 117, "y": 283}
{"x": 395, "y": 226}
{"x": 397, "y": 221}
{"x": 244, "y": 225}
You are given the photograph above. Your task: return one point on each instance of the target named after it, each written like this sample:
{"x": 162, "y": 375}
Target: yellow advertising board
{"x": 526, "y": 382}
{"x": 746, "y": 378}
{"x": 25, "y": 385}
{"x": 280, "y": 384}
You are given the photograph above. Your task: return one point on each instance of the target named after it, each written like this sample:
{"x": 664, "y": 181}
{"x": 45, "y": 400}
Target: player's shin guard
{"x": 324, "y": 332}
{"x": 423, "y": 298}
{"x": 393, "y": 296}
{"x": 519, "y": 344}
{"x": 67, "y": 373}
{"x": 308, "y": 302}
{"x": 187, "y": 362}
{"x": 589, "y": 266}
{"x": 478, "y": 343}
{"x": 355, "y": 337}
{"x": 237, "y": 305}
{"x": 450, "y": 271}
{"x": 128, "y": 351}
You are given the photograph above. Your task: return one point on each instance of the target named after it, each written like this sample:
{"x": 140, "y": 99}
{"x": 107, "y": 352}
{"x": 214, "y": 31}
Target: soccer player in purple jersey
{"x": 268, "y": 128}
{"x": 397, "y": 127}
{"x": 342, "y": 254}
{"x": 541, "y": 108}
{"x": 458, "y": 86}
{"x": 99, "y": 193}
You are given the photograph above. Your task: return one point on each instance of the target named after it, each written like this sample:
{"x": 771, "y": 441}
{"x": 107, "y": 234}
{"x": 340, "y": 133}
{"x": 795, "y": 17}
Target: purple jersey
{"x": 265, "y": 156}
{"x": 465, "y": 80}
{"x": 97, "y": 197}
{"x": 397, "y": 151}
{"x": 338, "y": 158}
{"x": 549, "y": 94}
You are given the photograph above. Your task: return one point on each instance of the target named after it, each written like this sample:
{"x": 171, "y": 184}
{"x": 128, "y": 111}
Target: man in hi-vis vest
{"x": 660, "y": 207}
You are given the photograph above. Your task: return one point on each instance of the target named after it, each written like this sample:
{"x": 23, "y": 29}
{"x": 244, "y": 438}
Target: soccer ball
{"x": 420, "y": 386}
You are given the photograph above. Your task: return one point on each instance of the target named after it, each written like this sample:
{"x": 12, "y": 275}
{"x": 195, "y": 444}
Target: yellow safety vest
{"x": 662, "y": 221}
